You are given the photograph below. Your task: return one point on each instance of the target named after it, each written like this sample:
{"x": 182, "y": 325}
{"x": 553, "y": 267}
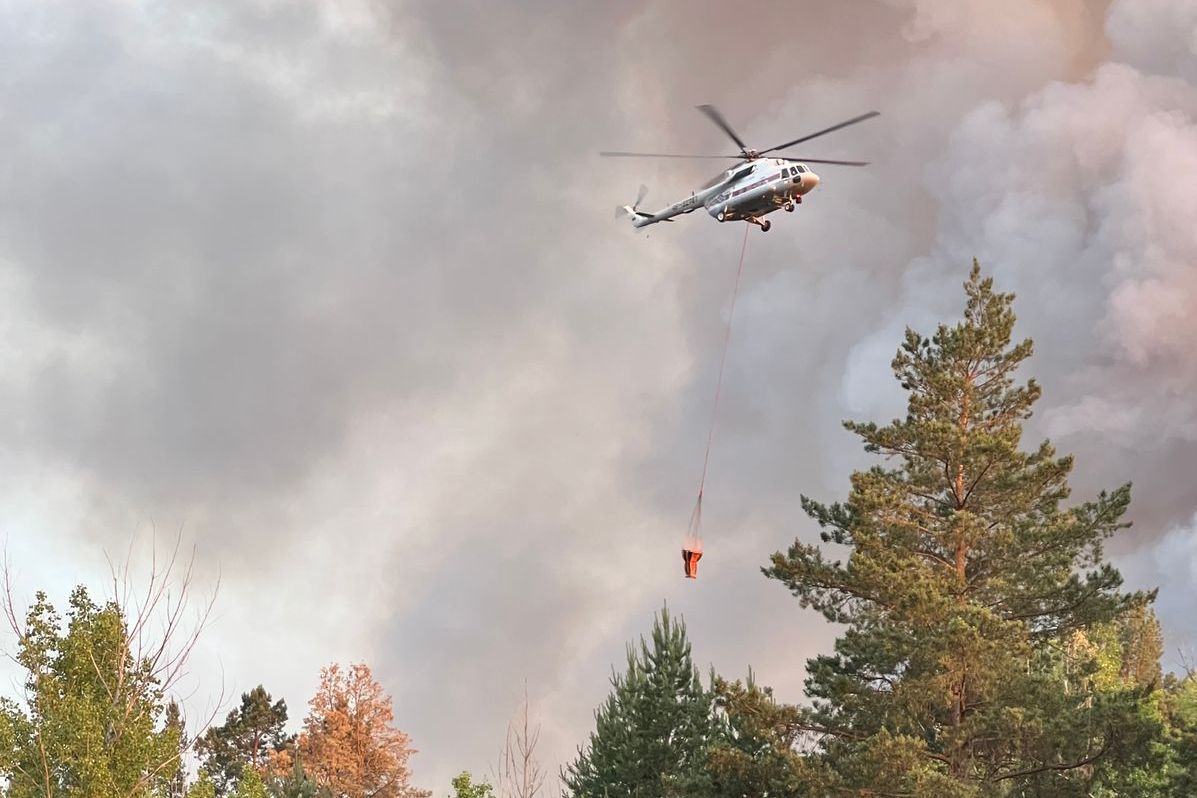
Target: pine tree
{"x": 248, "y": 736}
{"x": 297, "y": 784}
{"x": 652, "y": 734}
{"x": 757, "y": 750}
{"x": 176, "y": 786}
{"x": 965, "y": 572}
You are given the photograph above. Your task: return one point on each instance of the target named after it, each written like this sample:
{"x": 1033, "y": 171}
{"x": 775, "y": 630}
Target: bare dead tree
{"x": 519, "y": 774}
{"x": 1187, "y": 658}
{"x": 158, "y": 642}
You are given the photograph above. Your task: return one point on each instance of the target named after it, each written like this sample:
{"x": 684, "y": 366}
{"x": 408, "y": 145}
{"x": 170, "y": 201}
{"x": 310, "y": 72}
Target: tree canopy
{"x": 92, "y": 724}
{"x": 652, "y": 734}
{"x": 248, "y": 736}
{"x": 966, "y": 576}
{"x": 349, "y": 743}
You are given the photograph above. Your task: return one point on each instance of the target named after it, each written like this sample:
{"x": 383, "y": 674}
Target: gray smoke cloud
{"x": 335, "y": 287}
{"x": 1075, "y": 198}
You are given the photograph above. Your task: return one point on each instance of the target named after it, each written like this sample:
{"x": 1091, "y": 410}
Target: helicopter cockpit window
{"x": 801, "y": 168}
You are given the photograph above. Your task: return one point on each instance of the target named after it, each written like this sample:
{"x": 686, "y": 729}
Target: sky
{"x": 330, "y": 291}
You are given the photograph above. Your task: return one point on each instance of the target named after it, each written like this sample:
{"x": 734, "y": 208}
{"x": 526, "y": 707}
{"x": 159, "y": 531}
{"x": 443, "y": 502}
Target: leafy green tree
{"x": 92, "y": 722}
{"x": 652, "y": 734}
{"x": 1114, "y": 659}
{"x": 248, "y": 736}
{"x": 1141, "y": 644}
{"x": 203, "y": 787}
{"x": 464, "y": 787}
{"x": 1181, "y": 708}
{"x": 965, "y": 577}
{"x": 250, "y": 785}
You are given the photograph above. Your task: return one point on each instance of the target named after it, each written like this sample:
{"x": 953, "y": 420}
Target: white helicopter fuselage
{"x": 746, "y": 192}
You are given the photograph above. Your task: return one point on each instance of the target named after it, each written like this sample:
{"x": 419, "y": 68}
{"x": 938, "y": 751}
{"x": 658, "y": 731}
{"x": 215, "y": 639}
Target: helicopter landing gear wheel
{"x": 765, "y": 225}
{"x": 722, "y": 217}
{"x": 789, "y": 206}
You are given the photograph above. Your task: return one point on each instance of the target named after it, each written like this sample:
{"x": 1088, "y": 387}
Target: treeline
{"x": 96, "y": 722}
{"x": 666, "y": 731}
{"x": 988, "y": 650}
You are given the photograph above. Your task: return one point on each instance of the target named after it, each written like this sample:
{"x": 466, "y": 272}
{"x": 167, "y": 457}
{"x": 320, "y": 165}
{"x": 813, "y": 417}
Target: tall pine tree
{"x": 248, "y": 736}
{"x": 652, "y": 734}
{"x": 965, "y": 571}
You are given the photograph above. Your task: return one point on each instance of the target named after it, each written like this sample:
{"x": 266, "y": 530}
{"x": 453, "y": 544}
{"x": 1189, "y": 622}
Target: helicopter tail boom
{"x": 639, "y": 218}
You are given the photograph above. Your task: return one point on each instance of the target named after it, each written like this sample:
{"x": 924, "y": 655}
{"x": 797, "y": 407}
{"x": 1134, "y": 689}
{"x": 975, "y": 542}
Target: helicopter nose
{"x": 809, "y": 181}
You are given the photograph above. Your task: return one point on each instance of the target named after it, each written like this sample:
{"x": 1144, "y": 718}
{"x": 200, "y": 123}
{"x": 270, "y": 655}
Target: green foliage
{"x": 464, "y": 787}
{"x": 966, "y": 578}
{"x": 652, "y": 733}
{"x": 1180, "y": 709}
{"x": 203, "y": 787}
{"x": 297, "y": 784}
{"x": 755, "y": 753}
{"x": 91, "y": 724}
{"x": 176, "y": 781}
{"x": 248, "y": 736}
{"x": 1184, "y": 701}
{"x": 250, "y": 785}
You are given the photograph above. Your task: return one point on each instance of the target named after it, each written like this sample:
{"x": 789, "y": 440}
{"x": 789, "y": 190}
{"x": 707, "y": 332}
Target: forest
{"x": 987, "y": 648}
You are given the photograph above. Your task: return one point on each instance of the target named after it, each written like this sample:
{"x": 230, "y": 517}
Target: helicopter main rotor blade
{"x": 662, "y": 155}
{"x": 718, "y": 119}
{"x": 640, "y": 195}
{"x": 851, "y": 121}
{"x": 820, "y": 160}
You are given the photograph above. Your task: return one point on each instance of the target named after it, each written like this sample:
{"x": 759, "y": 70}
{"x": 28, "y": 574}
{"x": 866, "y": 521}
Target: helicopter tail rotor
{"x": 633, "y": 211}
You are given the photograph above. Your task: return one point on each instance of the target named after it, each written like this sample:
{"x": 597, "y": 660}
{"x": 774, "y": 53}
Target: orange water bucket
{"x": 690, "y": 559}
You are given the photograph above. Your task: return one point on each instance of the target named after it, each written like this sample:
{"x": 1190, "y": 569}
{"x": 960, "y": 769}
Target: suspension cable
{"x": 696, "y": 516}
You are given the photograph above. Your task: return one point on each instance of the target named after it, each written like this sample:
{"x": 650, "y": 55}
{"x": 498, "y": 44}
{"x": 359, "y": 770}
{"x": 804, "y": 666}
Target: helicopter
{"x": 747, "y": 191}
